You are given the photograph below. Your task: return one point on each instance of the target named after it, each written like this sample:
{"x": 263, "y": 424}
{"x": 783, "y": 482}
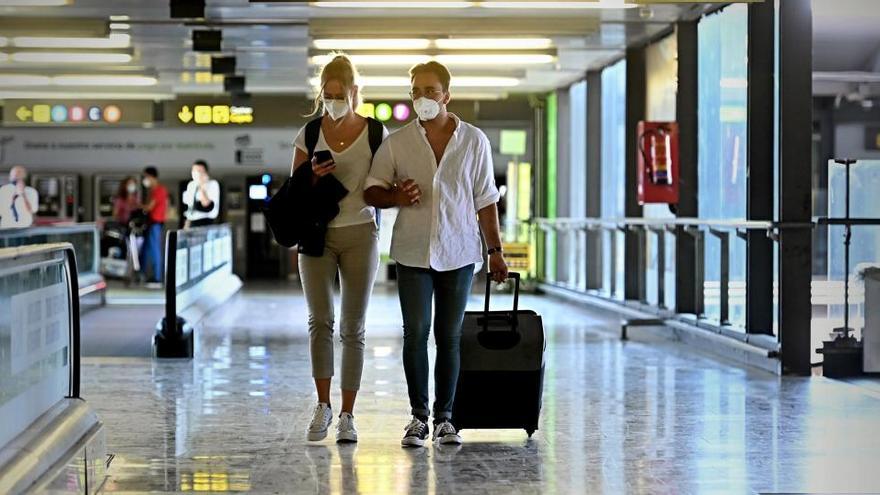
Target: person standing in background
{"x": 156, "y": 208}
{"x": 126, "y": 200}
{"x": 202, "y": 197}
{"x": 18, "y": 202}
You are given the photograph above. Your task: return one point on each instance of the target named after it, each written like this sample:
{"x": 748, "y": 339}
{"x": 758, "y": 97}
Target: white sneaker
{"x": 445, "y": 434}
{"x": 416, "y": 434}
{"x": 345, "y": 429}
{"x": 321, "y": 419}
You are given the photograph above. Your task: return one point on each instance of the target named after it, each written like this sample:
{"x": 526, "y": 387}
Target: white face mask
{"x": 426, "y": 108}
{"x": 132, "y": 188}
{"x": 336, "y": 108}
{"x": 146, "y": 183}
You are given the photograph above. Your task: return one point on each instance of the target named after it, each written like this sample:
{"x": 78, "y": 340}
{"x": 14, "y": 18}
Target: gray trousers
{"x": 353, "y": 252}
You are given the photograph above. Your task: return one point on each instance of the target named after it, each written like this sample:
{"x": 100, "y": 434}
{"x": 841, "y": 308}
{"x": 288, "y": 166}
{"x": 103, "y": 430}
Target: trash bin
{"x": 871, "y": 332}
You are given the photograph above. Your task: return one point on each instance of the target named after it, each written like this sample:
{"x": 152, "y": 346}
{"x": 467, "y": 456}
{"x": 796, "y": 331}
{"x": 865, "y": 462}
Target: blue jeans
{"x": 151, "y": 252}
{"x": 449, "y": 291}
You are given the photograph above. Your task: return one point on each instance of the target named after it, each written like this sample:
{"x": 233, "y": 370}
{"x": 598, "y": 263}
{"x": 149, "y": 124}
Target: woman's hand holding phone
{"x": 322, "y": 163}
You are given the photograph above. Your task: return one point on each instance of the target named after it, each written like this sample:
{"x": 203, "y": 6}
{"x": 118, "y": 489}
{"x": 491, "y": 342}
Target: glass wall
{"x": 577, "y": 184}
{"x": 723, "y": 93}
{"x": 613, "y": 168}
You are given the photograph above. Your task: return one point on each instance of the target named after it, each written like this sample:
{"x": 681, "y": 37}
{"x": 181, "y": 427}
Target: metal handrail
{"x": 576, "y": 223}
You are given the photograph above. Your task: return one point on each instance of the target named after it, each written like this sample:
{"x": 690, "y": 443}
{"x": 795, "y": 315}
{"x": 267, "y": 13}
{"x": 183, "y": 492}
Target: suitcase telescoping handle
{"x": 510, "y": 318}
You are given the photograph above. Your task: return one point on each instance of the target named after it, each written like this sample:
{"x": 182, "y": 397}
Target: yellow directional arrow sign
{"x": 185, "y": 115}
{"x": 24, "y": 113}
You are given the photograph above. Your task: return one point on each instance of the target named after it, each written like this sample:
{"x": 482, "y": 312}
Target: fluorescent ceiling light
{"x": 7, "y": 80}
{"x": 372, "y": 44}
{"x": 382, "y": 60}
{"x": 104, "y": 80}
{"x": 488, "y": 59}
{"x": 494, "y": 43}
{"x": 457, "y": 82}
{"x": 34, "y": 3}
{"x": 79, "y": 95}
{"x": 439, "y": 4}
{"x": 600, "y": 4}
{"x": 4, "y": 41}
{"x": 115, "y": 40}
{"x": 120, "y": 26}
{"x": 452, "y": 60}
{"x": 119, "y": 18}
{"x": 71, "y": 58}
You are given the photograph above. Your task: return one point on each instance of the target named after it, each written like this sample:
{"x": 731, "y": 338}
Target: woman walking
{"x": 350, "y": 245}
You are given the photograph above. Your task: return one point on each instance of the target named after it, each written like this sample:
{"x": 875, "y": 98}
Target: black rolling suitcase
{"x": 502, "y": 368}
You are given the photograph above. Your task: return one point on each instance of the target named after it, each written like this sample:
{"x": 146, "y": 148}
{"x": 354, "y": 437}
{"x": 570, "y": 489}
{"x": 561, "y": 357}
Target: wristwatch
{"x": 494, "y": 250}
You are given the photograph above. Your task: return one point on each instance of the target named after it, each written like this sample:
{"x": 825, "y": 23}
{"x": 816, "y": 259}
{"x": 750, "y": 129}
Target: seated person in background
{"x": 18, "y": 202}
{"x": 202, "y": 197}
{"x": 126, "y": 200}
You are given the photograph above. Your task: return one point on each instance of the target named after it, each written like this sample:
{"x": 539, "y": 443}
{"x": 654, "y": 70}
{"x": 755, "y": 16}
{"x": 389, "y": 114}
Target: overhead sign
{"x": 384, "y": 112}
{"x": 84, "y": 113}
{"x": 215, "y": 115}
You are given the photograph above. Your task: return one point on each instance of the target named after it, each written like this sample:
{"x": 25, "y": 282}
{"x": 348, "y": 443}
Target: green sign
{"x": 513, "y": 142}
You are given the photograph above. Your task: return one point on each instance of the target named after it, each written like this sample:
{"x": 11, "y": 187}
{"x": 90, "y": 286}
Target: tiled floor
{"x": 618, "y": 418}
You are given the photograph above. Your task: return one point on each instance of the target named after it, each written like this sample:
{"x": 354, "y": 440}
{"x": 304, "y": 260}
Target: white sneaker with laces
{"x": 416, "y": 434}
{"x": 345, "y": 429}
{"x": 445, "y": 434}
{"x": 321, "y": 419}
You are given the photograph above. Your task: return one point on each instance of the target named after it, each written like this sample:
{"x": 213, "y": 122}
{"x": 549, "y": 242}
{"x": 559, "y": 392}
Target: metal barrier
{"x": 45, "y": 423}
{"x": 198, "y": 267}
{"x": 85, "y": 239}
{"x": 695, "y": 228}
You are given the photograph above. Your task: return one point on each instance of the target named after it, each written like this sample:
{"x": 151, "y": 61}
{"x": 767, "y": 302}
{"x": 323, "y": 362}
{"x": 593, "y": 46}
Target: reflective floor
{"x": 618, "y": 418}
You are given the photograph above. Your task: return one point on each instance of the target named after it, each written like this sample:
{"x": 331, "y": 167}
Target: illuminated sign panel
{"x": 78, "y": 113}
{"x": 384, "y": 112}
{"x": 215, "y": 115}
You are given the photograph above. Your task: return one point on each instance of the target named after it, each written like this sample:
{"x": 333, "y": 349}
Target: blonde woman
{"x": 350, "y": 245}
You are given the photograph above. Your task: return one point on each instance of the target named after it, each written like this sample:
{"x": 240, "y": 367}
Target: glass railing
{"x": 85, "y": 239}
{"x": 39, "y": 333}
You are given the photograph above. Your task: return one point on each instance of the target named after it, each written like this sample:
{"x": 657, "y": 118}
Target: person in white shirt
{"x": 18, "y": 202}
{"x": 202, "y": 197}
{"x": 438, "y": 170}
{"x": 351, "y": 244}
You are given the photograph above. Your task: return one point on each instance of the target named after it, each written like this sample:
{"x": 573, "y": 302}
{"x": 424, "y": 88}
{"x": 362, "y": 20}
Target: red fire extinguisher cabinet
{"x": 658, "y": 170}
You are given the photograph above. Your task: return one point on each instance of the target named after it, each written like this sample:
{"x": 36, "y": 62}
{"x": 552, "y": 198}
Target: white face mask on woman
{"x": 336, "y": 109}
{"x": 131, "y": 188}
{"x": 426, "y": 108}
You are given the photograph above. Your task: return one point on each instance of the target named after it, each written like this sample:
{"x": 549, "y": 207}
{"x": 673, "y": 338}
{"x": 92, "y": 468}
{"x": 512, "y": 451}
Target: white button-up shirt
{"x": 442, "y": 231}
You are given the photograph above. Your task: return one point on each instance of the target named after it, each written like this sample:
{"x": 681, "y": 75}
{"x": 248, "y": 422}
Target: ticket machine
{"x": 59, "y": 197}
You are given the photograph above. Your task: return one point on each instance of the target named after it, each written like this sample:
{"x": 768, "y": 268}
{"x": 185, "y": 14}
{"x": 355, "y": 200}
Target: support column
{"x": 636, "y": 81}
{"x": 795, "y": 183}
{"x": 686, "y": 288}
{"x": 759, "y": 248}
{"x": 594, "y": 178}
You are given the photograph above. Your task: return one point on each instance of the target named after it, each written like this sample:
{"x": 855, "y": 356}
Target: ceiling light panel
{"x": 34, "y": 3}
{"x": 115, "y": 40}
{"x": 9, "y": 80}
{"x": 372, "y": 44}
{"x": 104, "y": 80}
{"x": 599, "y": 4}
{"x": 494, "y": 43}
{"x": 71, "y": 58}
{"x": 438, "y": 4}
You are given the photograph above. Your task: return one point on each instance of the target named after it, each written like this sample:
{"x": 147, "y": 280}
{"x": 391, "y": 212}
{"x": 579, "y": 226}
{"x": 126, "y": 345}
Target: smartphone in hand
{"x": 322, "y": 156}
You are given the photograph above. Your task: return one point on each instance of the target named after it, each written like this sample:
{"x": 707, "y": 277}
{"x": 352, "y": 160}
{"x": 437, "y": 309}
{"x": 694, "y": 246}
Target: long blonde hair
{"x": 340, "y": 69}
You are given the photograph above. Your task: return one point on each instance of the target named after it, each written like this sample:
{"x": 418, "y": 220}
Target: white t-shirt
{"x": 442, "y": 231}
{"x": 352, "y": 168}
{"x": 190, "y": 198}
{"x": 13, "y": 212}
